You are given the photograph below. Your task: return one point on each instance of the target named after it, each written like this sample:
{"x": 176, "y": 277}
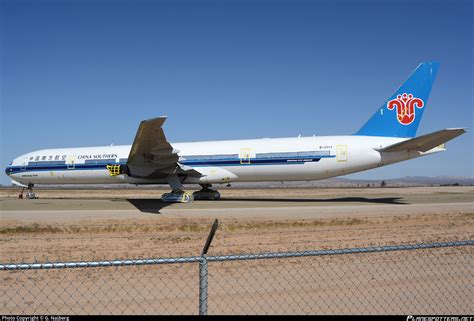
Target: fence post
{"x": 203, "y": 285}
{"x": 203, "y": 270}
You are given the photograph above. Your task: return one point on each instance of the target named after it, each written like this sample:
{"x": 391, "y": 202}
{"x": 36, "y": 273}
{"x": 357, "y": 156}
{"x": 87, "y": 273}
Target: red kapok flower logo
{"x": 405, "y": 105}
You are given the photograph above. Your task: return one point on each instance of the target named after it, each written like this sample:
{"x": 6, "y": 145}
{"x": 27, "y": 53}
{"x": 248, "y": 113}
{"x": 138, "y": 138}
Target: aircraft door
{"x": 71, "y": 162}
{"x": 341, "y": 153}
{"x": 245, "y": 156}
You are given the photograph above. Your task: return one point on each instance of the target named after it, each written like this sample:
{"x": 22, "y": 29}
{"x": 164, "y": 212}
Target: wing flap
{"x": 151, "y": 155}
{"x": 426, "y": 142}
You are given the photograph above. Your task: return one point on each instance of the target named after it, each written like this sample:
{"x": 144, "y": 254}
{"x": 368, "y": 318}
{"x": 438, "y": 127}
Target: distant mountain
{"x": 330, "y": 182}
{"x": 437, "y": 180}
{"x": 347, "y": 182}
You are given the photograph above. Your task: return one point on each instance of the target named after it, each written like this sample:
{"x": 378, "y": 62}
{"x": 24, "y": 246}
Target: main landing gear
{"x": 207, "y": 193}
{"x": 177, "y": 194}
{"x": 29, "y": 192}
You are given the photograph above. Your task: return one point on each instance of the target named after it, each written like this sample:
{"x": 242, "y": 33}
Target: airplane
{"x": 388, "y": 137}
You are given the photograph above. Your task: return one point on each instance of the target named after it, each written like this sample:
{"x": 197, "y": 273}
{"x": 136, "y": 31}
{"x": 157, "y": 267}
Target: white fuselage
{"x": 268, "y": 159}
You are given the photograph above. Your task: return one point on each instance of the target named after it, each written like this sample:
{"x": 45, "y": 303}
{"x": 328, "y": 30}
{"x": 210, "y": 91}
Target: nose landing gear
{"x": 29, "y": 193}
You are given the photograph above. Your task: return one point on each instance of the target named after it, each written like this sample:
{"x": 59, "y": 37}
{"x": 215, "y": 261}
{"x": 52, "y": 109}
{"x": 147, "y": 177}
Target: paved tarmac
{"x": 282, "y": 203}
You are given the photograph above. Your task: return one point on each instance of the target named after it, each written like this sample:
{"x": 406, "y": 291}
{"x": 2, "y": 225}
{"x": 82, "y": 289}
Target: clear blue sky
{"x": 85, "y": 73}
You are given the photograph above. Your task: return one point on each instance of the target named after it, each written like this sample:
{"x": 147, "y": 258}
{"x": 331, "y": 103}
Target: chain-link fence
{"x": 435, "y": 278}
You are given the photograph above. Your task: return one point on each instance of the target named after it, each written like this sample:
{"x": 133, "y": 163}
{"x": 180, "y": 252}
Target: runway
{"x": 236, "y": 210}
{"x": 148, "y": 200}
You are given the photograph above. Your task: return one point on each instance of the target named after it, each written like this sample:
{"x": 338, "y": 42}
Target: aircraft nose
{"x": 9, "y": 169}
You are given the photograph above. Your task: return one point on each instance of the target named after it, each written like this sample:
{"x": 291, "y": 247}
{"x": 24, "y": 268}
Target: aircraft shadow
{"x": 383, "y": 200}
{"x": 155, "y": 205}
{"x": 148, "y": 205}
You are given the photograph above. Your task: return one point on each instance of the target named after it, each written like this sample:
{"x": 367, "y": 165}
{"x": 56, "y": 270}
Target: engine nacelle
{"x": 214, "y": 175}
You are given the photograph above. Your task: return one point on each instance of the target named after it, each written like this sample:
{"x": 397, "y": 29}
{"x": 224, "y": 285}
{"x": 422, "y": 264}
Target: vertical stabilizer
{"x": 401, "y": 114}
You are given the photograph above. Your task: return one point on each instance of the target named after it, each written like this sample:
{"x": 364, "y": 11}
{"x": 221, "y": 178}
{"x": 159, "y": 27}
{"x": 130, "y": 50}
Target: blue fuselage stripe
{"x": 195, "y": 163}
{"x": 251, "y": 161}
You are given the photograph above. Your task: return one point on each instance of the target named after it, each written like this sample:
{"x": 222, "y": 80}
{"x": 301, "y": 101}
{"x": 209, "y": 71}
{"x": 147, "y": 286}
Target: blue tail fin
{"x": 402, "y": 112}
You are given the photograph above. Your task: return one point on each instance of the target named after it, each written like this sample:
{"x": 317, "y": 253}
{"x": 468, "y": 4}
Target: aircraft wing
{"x": 426, "y": 142}
{"x": 152, "y": 156}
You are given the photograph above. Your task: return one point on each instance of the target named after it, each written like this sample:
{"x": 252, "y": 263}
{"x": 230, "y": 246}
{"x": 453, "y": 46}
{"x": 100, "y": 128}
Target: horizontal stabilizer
{"x": 426, "y": 142}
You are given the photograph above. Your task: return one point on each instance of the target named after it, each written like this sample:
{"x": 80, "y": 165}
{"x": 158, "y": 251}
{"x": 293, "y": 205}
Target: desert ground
{"x": 107, "y": 224}
{"x": 84, "y": 225}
